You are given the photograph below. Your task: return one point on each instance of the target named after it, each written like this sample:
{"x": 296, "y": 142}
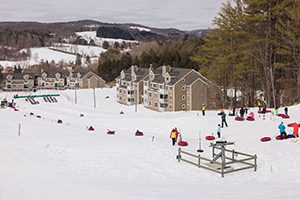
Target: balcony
{"x": 163, "y": 91}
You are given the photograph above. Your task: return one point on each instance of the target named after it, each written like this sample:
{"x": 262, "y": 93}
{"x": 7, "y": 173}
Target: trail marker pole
{"x": 19, "y": 130}
{"x": 94, "y": 98}
{"x": 200, "y": 150}
{"x": 75, "y": 96}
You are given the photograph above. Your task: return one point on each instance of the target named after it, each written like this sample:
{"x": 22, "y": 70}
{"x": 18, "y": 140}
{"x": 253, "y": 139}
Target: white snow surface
{"x": 91, "y": 35}
{"x": 64, "y": 161}
{"x": 40, "y": 54}
{"x": 140, "y": 28}
{"x": 92, "y": 51}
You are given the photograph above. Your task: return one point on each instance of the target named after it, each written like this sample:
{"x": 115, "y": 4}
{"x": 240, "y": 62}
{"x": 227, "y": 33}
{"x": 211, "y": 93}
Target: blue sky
{"x": 182, "y": 14}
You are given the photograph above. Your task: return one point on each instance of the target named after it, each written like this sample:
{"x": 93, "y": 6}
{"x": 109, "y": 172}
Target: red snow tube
{"x": 91, "y": 128}
{"x": 110, "y": 132}
{"x": 278, "y": 137}
{"x": 285, "y": 116}
{"x": 239, "y": 119}
{"x": 183, "y": 143}
{"x": 59, "y": 121}
{"x": 138, "y": 133}
{"x": 260, "y": 112}
{"x": 250, "y": 118}
{"x": 280, "y": 114}
{"x": 268, "y": 111}
{"x": 265, "y": 139}
{"x": 210, "y": 137}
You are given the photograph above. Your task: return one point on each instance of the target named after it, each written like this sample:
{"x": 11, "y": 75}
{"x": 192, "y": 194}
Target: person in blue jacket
{"x": 282, "y": 131}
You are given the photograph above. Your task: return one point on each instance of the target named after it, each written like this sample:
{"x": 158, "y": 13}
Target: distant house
{"x": 54, "y": 79}
{"x": 18, "y": 81}
{"x": 164, "y": 88}
{"x": 130, "y": 85}
{"x": 50, "y": 79}
{"x": 175, "y": 89}
{"x": 92, "y": 80}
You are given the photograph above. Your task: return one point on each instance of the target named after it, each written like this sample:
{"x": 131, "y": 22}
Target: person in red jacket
{"x": 296, "y": 129}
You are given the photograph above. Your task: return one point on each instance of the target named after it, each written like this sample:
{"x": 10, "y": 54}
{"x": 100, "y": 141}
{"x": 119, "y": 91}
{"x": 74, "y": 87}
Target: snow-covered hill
{"x": 91, "y": 35}
{"x": 65, "y": 161}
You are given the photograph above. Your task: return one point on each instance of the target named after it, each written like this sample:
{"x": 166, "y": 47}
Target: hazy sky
{"x": 182, "y": 14}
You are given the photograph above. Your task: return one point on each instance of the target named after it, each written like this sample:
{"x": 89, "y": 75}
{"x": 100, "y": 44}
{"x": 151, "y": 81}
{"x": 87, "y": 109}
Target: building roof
{"x": 18, "y": 75}
{"x": 140, "y": 73}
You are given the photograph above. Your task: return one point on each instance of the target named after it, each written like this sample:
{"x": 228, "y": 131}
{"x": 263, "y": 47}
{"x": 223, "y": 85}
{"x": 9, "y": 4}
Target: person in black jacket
{"x": 223, "y": 117}
{"x": 286, "y": 110}
{"x": 242, "y": 112}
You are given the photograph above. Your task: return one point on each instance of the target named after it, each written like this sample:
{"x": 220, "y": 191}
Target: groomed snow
{"x": 140, "y": 28}
{"x": 92, "y": 51}
{"x": 65, "y": 161}
{"x": 91, "y": 35}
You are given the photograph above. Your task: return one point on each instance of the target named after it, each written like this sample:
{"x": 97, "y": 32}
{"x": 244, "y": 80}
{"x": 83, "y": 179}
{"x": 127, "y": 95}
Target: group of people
{"x": 283, "y": 134}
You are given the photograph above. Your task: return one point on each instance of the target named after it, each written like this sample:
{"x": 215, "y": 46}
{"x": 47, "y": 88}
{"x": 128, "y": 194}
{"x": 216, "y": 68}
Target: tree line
{"x": 177, "y": 54}
{"x": 255, "y": 47}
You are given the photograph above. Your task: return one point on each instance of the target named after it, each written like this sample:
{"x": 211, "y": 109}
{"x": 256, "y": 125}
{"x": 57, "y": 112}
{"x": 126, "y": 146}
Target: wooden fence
{"x": 223, "y": 167}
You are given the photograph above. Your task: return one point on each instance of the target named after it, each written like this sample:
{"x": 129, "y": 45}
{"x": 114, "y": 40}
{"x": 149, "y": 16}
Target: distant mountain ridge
{"x": 13, "y": 33}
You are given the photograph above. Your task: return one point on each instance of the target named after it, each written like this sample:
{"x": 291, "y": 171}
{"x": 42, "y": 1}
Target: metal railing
{"x": 223, "y": 166}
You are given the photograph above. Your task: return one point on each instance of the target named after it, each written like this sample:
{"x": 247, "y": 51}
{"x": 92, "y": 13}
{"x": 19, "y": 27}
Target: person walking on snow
{"x": 203, "y": 109}
{"x": 242, "y": 112}
{"x": 223, "y": 117}
{"x": 296, "y": 129}
{"x": 219, "y": 131}
{"x": 177, "y": 133}
{"x": 282, "y": 131}
{"x": 286, "y": 110}
{"x": 173, "y": 136}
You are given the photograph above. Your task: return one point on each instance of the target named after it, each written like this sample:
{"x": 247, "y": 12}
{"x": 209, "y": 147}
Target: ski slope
{"x": 65, "y": 161}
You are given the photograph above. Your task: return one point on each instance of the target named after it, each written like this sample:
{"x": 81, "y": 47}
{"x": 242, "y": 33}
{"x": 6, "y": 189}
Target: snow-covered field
{"x": 91, "y": 35}
{"x": 65, "y": 161}
{"x": 92, "y": 51}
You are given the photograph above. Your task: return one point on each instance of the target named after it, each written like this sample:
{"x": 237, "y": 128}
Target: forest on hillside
{"x": 256, "y": 46}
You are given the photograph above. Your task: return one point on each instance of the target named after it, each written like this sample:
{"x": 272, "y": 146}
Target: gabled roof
{"x": 18, "y": 75}
{"x": 140, "y": 73}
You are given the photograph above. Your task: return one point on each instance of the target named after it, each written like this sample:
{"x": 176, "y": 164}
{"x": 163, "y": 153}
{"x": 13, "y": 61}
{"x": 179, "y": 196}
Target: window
{"x": 161, "y": 87}
{"x": 183, "y": 106}
{"x": 183, "y": 97}
{"x": 150, "y": 103}
{"x": 150, "y": 94}
{"x": 170, "y": 88}
{"x": 155, "y": 104}
{"x": 183, "y": 88}
{"x": 183, "y": 80}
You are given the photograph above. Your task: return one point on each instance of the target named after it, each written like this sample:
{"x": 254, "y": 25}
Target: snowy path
{"x": 65, "y": 161}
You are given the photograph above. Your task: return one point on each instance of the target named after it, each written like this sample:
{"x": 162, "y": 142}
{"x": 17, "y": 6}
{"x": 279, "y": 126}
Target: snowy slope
{"x": 92, "y": 51}
{"x": 91, "y": 35}
{"x": 65, "y": 161}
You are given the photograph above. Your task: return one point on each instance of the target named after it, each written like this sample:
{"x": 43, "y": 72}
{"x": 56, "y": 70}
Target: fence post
{"x": 255, "y": 163}
{"x": 199, "y": 160}
{"x": 213, "y": 151}
{"x": 233, "y": 154}
{"x": 179, "y": 154}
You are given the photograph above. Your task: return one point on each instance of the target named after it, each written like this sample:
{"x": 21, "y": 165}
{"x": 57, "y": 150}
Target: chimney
{"x": 165, "y": 69}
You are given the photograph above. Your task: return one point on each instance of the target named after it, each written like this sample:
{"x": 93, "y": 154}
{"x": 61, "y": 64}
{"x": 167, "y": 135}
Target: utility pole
{"x": 94, "y": 98}
{"x": 75, "y": 96}
{"x": 136, "y": 100}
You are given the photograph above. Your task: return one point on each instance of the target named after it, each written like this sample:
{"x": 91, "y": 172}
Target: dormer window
{"x": 57, "y": 75}
{"x": 71, "y": 74}
{"x": 26, "y": 77}
{"x": 78, "y": 75}
{"x": 9, "y": 77}
{"x": 167, "y": 78}
{"x": 44, "y": 75}
{"x": 122, "y": 74}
